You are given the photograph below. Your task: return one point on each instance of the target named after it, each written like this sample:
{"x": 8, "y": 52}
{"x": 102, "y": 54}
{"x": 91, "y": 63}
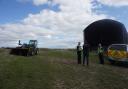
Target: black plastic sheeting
{"x": 106, "y": 32}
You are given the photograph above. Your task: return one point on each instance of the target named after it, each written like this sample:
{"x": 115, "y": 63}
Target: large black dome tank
{"x": 106, "y": 32}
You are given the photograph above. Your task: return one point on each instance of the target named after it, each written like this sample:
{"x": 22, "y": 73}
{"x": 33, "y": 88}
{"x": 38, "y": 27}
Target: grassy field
{"x": 57, "y": 69}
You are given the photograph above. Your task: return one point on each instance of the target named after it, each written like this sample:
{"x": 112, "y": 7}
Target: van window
{"x": 118, "y": 47}
{"x": 127, "y": 48}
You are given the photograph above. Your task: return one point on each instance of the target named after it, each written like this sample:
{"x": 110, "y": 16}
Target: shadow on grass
{"x": 119, "y": 64}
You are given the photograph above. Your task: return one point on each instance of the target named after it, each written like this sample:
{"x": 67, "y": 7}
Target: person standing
{"x": 100, "y": 53}
{"x": 79, "y": 53}
{"x": 86, "y": 54}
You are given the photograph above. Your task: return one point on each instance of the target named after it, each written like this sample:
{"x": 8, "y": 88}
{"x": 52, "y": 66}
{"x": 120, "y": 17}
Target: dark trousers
{"x": 87, "y": 60}
{"x": 79, "y": 57}
{"x": 101, "y": 58}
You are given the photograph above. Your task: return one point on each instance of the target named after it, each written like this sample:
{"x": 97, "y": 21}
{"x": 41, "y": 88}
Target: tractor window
{"x": 32, "y": 42}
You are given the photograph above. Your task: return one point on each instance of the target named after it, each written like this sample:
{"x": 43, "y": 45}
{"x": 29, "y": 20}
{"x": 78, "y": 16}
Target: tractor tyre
{"x": 36, "y": 52}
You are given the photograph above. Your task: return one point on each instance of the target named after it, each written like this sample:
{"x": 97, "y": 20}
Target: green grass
{"x": 58, "y": 69}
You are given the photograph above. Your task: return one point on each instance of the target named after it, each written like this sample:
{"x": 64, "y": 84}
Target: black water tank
{"x": 106, "y": 32}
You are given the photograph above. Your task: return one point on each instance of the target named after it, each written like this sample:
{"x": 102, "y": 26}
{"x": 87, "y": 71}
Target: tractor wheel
{"x": 32, "y": 53}
{"x": 27, "y": 54}
{"x": 36, "y": 52}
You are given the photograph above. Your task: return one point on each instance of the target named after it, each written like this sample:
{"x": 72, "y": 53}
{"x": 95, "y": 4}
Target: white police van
{"x": 118, "y": 52}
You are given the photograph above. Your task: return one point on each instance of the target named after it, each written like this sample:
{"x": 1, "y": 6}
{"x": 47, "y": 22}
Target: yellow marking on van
{"x": 117, "y": 54}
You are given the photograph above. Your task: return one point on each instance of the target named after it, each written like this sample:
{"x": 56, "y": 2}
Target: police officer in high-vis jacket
{"x": 100, "y": 53}
{"x": 79, "y": 49}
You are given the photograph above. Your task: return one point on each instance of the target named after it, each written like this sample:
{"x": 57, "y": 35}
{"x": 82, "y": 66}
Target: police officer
{"x": 86, "y": 54}
{"x": 79, "y": 53}
{"x": 100, "y": 53}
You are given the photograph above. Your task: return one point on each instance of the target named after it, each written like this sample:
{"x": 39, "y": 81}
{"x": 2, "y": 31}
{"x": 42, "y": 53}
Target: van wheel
{"x": 112, "y": 62}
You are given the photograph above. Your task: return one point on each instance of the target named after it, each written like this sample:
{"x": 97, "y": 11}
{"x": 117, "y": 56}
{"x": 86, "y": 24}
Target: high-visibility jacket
{"x": 79, "y": 48}
{"x": 100, "y": 50}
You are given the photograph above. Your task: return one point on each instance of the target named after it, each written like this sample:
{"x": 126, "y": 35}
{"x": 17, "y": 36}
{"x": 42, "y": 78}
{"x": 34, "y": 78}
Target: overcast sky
{"x": 55, "y": 23}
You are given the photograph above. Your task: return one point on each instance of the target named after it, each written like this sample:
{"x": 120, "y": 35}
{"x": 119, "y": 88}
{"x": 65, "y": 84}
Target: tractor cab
{"x": 33, "y": 43}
